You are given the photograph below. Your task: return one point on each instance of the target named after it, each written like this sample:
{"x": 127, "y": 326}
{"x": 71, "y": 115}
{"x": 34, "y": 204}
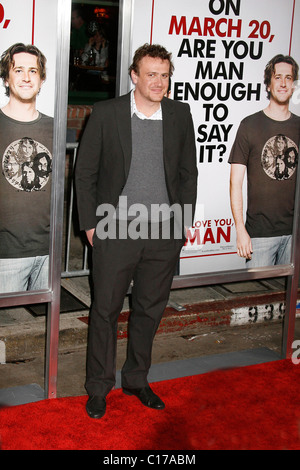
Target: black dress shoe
{"x": 146, "y": 396}
{"x": 96, "y": 407}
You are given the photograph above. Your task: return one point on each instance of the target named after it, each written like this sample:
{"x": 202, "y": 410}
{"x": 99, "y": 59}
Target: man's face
{"x": 281, "y": 87}
{"x": 280, "y": 145}
{"x": 76, "y": 20}
{"x": 42, "y": 166}
{"x": 152, "y": 80}
{"x": 28, "y": 173}
{"x": 24, "y": 79}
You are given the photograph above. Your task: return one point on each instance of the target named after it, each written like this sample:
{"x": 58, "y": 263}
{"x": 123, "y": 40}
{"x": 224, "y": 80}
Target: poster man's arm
{"x": 243, "y": 242}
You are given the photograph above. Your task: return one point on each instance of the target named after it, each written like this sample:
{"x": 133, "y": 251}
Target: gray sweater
{"x": 146, "y": 183}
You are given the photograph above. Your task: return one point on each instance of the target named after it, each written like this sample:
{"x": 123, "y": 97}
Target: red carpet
{"x": 249, "y": 408}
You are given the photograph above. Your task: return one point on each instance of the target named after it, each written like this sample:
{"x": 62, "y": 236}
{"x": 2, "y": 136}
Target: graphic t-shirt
{"x": 25, "y": 186}
{"x": 269, "y": 149}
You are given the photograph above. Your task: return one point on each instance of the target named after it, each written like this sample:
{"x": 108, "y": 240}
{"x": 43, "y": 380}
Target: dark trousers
{"x": 151, "y": 265}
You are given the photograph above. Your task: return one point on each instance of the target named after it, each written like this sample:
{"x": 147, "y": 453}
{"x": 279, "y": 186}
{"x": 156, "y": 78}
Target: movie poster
{"x": 220, "y": 49}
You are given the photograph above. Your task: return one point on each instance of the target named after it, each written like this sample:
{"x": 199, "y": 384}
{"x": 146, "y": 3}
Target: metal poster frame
{"x": 52, "y": 295}
{"x": 291, "y": 271}
{"x": 59, "y": 146}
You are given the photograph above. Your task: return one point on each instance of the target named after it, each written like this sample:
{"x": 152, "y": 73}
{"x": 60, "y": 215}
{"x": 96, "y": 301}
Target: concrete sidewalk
{"x": 190, "y": 312}
{"x": 207, "y": 321}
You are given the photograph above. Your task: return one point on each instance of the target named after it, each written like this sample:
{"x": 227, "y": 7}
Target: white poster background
{"x": 32, "y": 22}
{"x": 222, "y": 30}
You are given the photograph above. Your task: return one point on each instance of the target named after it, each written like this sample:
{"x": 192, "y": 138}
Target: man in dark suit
{"x": 138, "y": 148}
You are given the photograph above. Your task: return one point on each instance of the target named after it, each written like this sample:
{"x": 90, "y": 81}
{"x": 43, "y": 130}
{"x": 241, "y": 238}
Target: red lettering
{"x": 193, "y": 237}
{"x": 210, "y": 27}
{"x": 195, "y": 26}
{"x": 209, "y": 236}
{"x": 221, "y": 233}
{"x": 237, "y": 28}
{"x": 178, "y": 27}
{"x": 1, "y": 13}
{"x": 218, "y": 31}
{"x": 209, "y": 24}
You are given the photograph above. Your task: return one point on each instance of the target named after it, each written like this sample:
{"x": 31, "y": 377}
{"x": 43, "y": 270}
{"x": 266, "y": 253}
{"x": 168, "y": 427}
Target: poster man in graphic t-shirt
{"x": 266, "y": 146}
{"x": 25, "y": 177}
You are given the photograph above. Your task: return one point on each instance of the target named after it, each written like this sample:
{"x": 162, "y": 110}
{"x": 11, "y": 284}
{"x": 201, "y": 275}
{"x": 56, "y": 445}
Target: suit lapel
{"x": 168, "y": 130}
{"x": 123, "y": 114}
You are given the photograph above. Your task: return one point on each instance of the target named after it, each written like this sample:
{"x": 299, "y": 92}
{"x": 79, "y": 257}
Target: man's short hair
{"x": 7, "y": 60}
{"x": 270, "y": 69}
{"x": 152, "y": 50}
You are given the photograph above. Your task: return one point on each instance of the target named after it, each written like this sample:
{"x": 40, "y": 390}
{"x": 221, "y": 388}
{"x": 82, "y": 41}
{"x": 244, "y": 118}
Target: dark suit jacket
{"x": 105, "y": 154}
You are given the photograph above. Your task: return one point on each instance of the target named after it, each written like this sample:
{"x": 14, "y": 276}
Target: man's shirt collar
{"x": 157, "y": 116}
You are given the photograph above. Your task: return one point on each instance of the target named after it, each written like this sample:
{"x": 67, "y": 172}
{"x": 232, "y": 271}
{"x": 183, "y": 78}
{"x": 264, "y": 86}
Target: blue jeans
{"x": 270, "y": 251}
{"x": 22, "y": 274}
